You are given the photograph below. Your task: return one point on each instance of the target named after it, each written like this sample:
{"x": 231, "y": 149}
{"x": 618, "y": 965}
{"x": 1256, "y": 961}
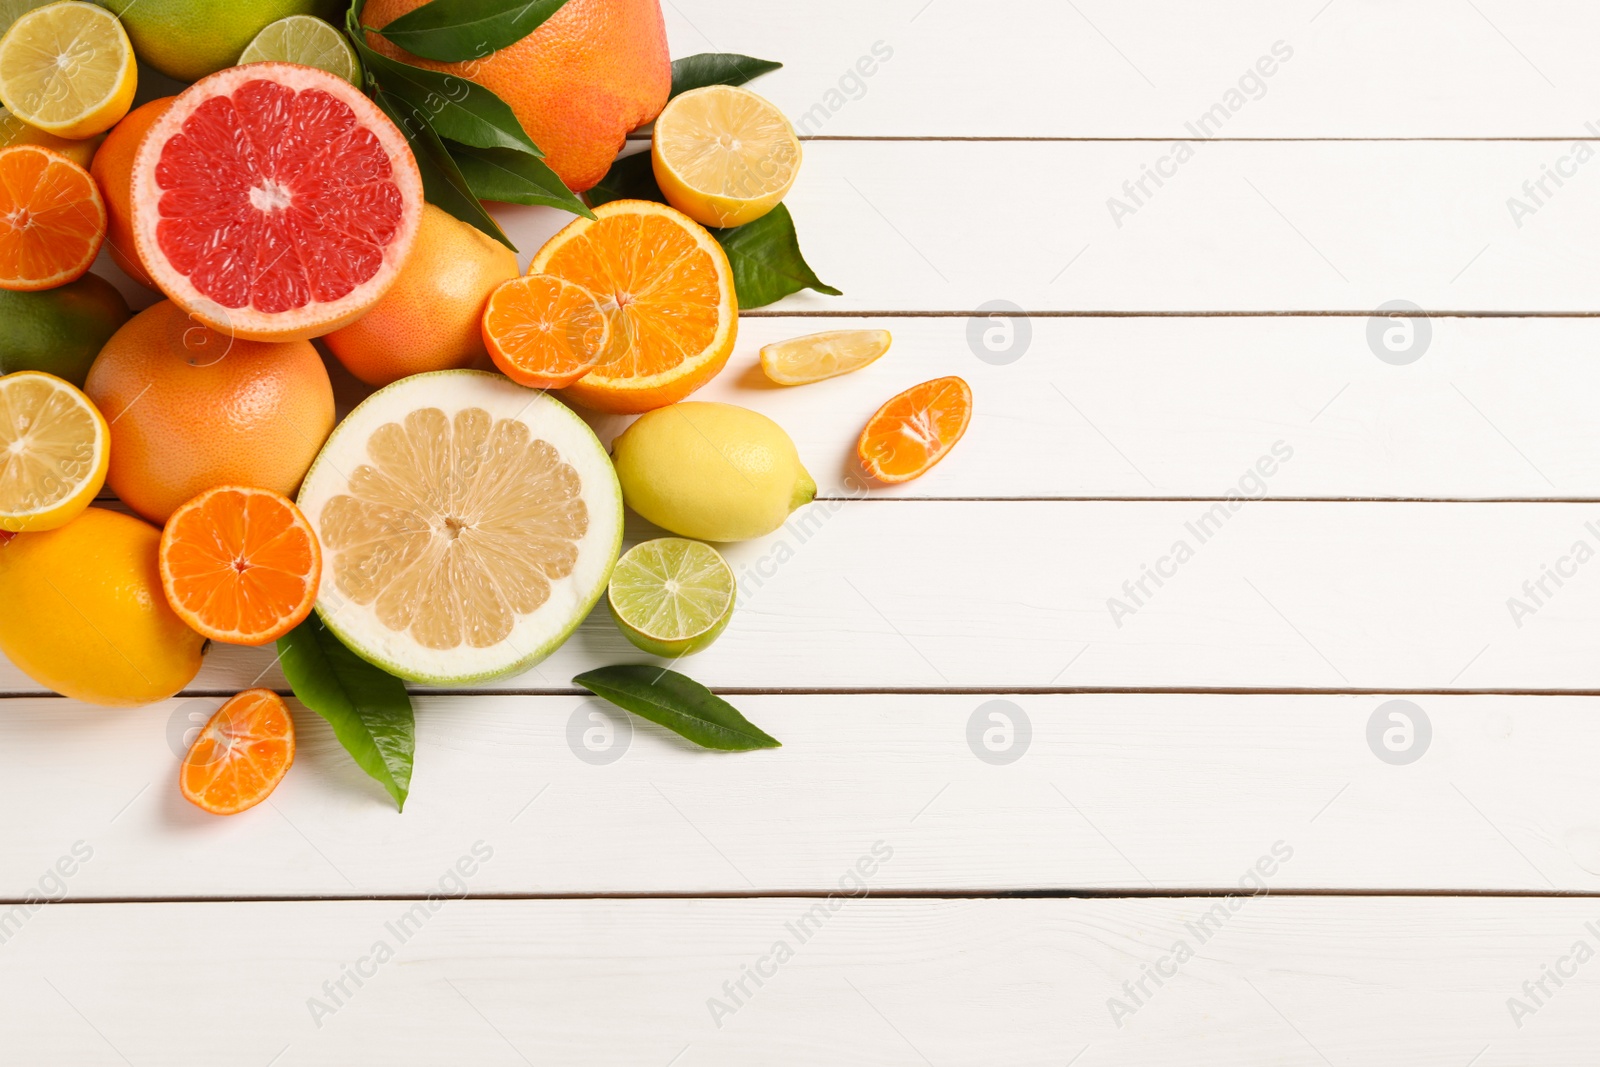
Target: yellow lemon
{"x": 85, "y": 615}
{"x": 816, "y": 356}
{"x": 723, "y": 155}
{"x": 54, "y": 450}
{"x": 67, "y": 69}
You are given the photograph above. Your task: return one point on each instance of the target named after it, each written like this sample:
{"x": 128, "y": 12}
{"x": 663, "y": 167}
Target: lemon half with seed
{"x": 467, "y": 526}
{"x": 54, "y": 448}
{"x": 672, "y": 596}
{"x": 723, "y": 155}
{"x": 67, "y": 69}
{"x": 307, "y": 40}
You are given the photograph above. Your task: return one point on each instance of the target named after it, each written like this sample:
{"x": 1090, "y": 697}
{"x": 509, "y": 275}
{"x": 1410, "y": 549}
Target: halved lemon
{"x": 723, "y": 155}
{"x": 54, "y": 447}
{"x": 467, "y": 525}
{"x": 67, "y": 69}
{"x": 817, "y": 356}
{"x": 672, "y": 596}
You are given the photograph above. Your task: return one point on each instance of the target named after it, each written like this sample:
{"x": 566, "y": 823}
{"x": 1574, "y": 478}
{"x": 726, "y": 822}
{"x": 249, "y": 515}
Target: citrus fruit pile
{"x": 460, "y": 522}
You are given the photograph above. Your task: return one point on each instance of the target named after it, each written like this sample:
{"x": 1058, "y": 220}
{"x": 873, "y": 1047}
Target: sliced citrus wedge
{"x": 672, "y": 596}
{"x": 240, "y": 565}
{"x": 723, "y": 155}
{"x": 915, "y": 429}
{"x": 816, "y": 356}
{"x": 52, "y": 219}
{"x": 54, "y": 449}
{"x": 67, "y": 69}
{"x": 240, "y": 755}
{"x": 666, "y": 286}
{"x": 544, "y": 332}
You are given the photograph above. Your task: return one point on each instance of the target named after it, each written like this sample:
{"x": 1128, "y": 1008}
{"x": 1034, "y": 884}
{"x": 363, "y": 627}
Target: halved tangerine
{"x": 240, "y": 565}
{"x": 544, "y": 332}
{"x": 240, "y": 755}
{"x": 52, "y": 219}
{"x": 915, "y": 429}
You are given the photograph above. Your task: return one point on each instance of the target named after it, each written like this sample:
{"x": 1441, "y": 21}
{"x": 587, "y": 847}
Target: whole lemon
{"x": 717, "y": 472}
{"x": 85, "y": 616}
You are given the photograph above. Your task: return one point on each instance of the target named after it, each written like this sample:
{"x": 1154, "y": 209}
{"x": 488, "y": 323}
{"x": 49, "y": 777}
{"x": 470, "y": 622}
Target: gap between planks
{"x": 974, "y": 690}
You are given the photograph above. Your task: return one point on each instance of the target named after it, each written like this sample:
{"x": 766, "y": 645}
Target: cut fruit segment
{"x": 67, "y": 69}
{"x": 544, "y": 332}
{"x": 240, "y": 565}
{"x": 469, "y": 525}
{"x": 240, "y": 755}
{"x": 672, "y": 596}
{"x": 817, "y": 356}
{"x": 54, "y": 449}
{"x": 723, "y": 155}
{"x": 666, "y": 286}
{"x": 307, "y": 40}
{"x": 280, "y": 245}
{"x": 52, "y": 219}
{"x": 915, "y": 430}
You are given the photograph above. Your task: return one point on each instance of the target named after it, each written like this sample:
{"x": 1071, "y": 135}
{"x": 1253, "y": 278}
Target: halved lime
{"x": 307, "y": 40}
{"x": 672, "y": 596}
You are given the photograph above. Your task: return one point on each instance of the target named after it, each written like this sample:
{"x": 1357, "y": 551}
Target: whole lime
{"x": 188, "y": 39}
{"x": 61, "y": 330}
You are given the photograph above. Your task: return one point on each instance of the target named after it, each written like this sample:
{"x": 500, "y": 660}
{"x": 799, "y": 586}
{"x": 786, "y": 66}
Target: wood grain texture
{"x": 875, "y": 982}
{"x": 1118, "y": 792}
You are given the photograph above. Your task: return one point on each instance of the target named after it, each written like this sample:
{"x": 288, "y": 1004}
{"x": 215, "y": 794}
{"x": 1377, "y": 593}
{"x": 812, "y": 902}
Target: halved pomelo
{"x": 274, "y": 201}
{"x": 467, "y": 524}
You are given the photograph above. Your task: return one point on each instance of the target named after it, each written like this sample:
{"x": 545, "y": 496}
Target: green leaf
{"x": 455, "y": 30}
{"x": 630, "y": 178}
{"x": 714, "y": 68}
{"x": 515, "y": 178}
{"x": 766, "y": 260}
{"x": 442, "y": 183}
{"x": 368, "y": 708}
{"x": 680, "y": 704}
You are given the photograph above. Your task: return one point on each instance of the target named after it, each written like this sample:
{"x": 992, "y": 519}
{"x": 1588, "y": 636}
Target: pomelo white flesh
{"x": 467, "y": 525}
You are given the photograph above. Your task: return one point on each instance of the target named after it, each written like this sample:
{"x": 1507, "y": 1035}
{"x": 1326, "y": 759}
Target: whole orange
{"x": 190, "y": 409}
{"x": 430, "y": 319}
{"x": 113, "y": 169}
{"x": 595, "y": 70}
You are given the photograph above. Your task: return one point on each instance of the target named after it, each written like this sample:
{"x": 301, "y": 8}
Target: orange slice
{"x": 241, "y": 754}
{"x": 240, "y": 565}
{"x": 52, "y": 219}
{"x": 665, "y": 284}
{"x": 544, "y": 332}
{"x": 914, "y": 430}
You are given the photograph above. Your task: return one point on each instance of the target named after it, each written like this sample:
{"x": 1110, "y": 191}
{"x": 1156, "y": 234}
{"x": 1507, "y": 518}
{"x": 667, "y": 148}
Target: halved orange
{"x": 915, "y": 429}
{"x": 240, "y": 565}
{"x": 52, "y": 219}
{"x": 666, "y": 286}
{"x": 544, "y": 332}
{"x": 240, "y": 755}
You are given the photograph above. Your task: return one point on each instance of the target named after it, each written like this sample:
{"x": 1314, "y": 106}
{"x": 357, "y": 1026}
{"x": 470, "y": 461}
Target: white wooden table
{"x": 1065, "y": 888}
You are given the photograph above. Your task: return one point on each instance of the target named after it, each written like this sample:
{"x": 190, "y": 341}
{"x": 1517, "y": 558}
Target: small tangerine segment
{"x": 240, "y": 565}
{"x": 240, "y": 755}
{"x": 915, "y": 429}
{"x": 52, "y": 219}
{"x": 544, "y": 332}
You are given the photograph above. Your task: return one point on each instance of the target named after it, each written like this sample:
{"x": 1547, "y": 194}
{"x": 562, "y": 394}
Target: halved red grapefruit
{"x": 274, "y": 202}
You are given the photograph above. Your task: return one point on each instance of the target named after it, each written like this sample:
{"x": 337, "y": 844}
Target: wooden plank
{"x": 1107, "y": 792}
{"x": 1026, "y": 594}
{"x": 876, "y": 982}
{"x": 1096, "y": 68}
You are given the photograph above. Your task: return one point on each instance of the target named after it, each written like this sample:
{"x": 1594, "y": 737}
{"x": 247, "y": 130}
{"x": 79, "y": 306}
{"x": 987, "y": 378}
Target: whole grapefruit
{"x": 595, "y": 70}
{"x": 430, "y": 318}
{"x": 113, "y": 169}
{"x": 190, "y": 408}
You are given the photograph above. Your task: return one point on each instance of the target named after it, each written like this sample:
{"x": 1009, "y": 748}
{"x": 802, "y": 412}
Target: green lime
{"x": 307, "y": 40}
{"x": 12, "y": 10}
{"x": 60, "y": 330}
{"x": 671, "y": 596}
{"x": 188, "y": 39}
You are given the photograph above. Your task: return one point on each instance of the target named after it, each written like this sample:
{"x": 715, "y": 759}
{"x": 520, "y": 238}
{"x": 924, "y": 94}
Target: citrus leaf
{"x": 766, "y": 260}
{"x": 442, "y": 183}
{"x": 681, "y": 704}
{"x": 457, "y": 109}
{"x": 714, "y": 68}
{"x": 515, "y": 178}
{"x": 368, "y": 708}
{"x": 455, "y": 30}
{"x": 630, "y": 178}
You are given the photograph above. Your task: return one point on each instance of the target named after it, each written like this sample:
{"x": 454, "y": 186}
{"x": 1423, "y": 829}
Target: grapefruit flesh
{"x": 274, "y": 201}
